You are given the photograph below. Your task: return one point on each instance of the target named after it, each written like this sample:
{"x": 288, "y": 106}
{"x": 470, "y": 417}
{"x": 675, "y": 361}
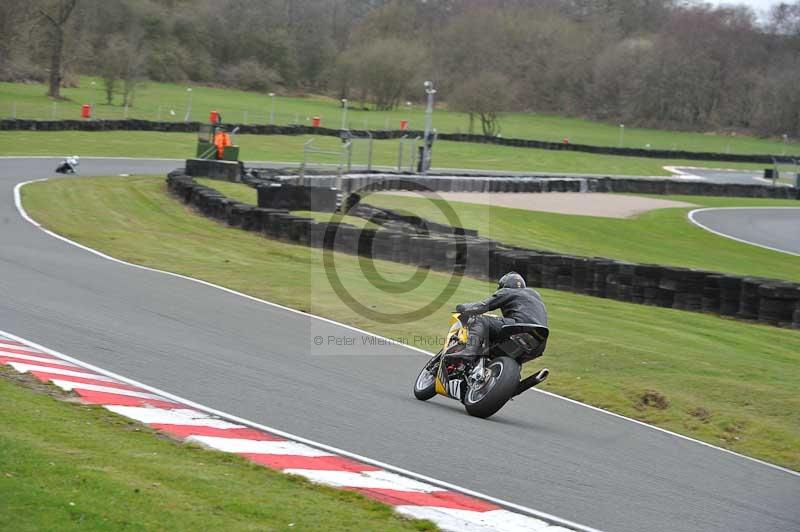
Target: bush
{"x": 250, "y": 75}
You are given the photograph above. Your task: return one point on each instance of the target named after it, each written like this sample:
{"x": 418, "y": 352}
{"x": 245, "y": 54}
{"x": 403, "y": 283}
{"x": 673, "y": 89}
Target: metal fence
{"x": 408, "y": 154}
{"x": 177, "y": 111}
{"x": 321, "y": 157}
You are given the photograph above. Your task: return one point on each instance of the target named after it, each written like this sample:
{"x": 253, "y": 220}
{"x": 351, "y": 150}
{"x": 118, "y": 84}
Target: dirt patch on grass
{"x": 652, "y": 399}
{"x": 701, "y": 414}
{"x": 585, "y": 204}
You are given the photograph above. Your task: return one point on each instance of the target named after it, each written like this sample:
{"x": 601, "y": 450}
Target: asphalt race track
{"x": 777, "y": 229}
{"x": 258, "y": 362}
{"x": 741, "y": 177}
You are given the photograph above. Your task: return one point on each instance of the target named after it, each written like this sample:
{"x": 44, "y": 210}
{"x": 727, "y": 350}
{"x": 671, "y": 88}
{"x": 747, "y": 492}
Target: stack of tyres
{"x": 796, "y": 318}
{"x": 346, "y": 239}
{"x": 444, "y": 253}
{"x": 365, "y": 242}
{"x": 234, "y": 214}
{"x": 730, "y": 294}
{"x": 499, "y": 262}
{"x": 695, "y": 281}
{"x": 416, "y": 249}
{"x": 672, "y": 288}
{"x": 478, "y": 257}
{"x": 300, "y": 230}
{"x": 552, "y": 269}
{"x": 276, "y": 220}
{"x": 622, "y": 277}
{"x": 579, "y": 267}
{"x": 382, "y": 244}
{"x": 777, "y": 303}
{"x": 711, "y": 294}
{"x": 750, "y": 298}
{"x": 532, "y": 269}
{"x": 645, "y": 284}
{"x": 600, "y": 276}
{"x": 565, "y": 272}
{"x": 400, "y": 247}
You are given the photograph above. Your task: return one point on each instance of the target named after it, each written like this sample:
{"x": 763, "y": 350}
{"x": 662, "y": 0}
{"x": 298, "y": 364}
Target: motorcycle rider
{"x": 69, "y": 165}
{"x": 518, "y": 304}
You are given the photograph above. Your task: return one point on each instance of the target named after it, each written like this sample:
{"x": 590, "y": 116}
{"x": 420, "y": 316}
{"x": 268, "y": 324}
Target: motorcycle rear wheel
{"x": 485, "y": 401}
{"x": 425, "y": 385}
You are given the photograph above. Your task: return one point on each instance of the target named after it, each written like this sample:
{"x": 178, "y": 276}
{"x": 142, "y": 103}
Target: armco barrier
{"x": 147, "y": 125}
{"x": 768, "y": 301}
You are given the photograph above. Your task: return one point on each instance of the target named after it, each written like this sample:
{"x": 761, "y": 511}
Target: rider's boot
{"x": 469, "y": 353}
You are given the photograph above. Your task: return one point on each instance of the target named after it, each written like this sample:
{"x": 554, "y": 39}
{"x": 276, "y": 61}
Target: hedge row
{"x": 147, "y": 125}
{"x": 768, "y": 301}
{"x": 377, "y": 182}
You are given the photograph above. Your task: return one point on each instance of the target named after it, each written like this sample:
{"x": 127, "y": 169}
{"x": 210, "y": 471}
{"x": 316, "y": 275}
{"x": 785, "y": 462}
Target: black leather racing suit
{"x": 518, "y": 305}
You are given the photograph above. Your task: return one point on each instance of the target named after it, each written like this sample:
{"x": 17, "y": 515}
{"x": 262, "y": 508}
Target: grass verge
{"x": 726, "y": 382}
{"x": 154, "y": 101}
{"x": 662, "y": 236}
{"x": 69, "y": 466}
{"x": 290, "y": 149}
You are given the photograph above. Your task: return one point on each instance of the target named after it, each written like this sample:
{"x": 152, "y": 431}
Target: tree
{"x": 484, "y": 95}
{"x": 15, "y": 20}
{"x": 56, "y": 14}
{"x": 385, "y": 70}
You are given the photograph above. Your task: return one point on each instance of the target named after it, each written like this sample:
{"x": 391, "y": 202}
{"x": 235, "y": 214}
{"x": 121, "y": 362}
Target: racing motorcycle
{"x": 69, "y": 165}
{"x": 487, "y": 383}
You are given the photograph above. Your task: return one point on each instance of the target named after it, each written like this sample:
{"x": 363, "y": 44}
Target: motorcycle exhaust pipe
{"x": 533, "y": 380}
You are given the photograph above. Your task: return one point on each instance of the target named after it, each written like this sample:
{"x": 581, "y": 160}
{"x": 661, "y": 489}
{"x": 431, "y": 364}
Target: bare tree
{"x": 484, "y": 95}
{"x": 385, "y": 70}
{"x": 56, "y": 14}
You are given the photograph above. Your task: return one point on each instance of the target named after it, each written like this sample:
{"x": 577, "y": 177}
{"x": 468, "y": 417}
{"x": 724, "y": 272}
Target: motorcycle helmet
{"x": 511, "y": 280}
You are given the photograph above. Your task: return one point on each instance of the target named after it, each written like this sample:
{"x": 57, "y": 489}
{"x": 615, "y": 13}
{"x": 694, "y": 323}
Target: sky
{"x": 759, "y": 6}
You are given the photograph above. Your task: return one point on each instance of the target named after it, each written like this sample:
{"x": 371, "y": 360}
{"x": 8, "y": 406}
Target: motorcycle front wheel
{"x": 425, "y": 385}
{"x": 485, "y": 400}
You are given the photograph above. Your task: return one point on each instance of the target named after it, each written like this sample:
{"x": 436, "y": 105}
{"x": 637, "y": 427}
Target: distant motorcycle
{"x": 489, "y": 382}
{"x": 69, "y": 165}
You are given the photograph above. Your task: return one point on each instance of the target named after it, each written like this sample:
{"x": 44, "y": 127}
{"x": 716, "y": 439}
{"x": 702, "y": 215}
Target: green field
{"x": 663, "y": 236}
{"x": 68, "y": 466}
{"x": 290, "y": 149}
{"x": 155, "y": 101}
{"x": 726, "y": 382}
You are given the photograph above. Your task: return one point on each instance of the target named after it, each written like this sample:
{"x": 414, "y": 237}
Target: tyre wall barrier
{"x": 252, "y": 129}
{"x": 363, "y": 184}
{"x": 388, "y": 217}
{"x": 767, "y": 301}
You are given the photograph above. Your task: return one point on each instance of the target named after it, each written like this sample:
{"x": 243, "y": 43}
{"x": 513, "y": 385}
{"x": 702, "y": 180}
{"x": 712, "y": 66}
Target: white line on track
{"x": 743, "y": 241}
{"x": 519, "y": 508}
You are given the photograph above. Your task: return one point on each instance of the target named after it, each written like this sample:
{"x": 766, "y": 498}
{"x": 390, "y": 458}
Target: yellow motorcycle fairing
{"x": 459, "y": 332}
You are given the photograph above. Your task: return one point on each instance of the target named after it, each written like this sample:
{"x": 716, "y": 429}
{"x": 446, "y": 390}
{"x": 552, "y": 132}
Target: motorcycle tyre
{"x": 500, "y": 394}
{"x": 423, "y": 394}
